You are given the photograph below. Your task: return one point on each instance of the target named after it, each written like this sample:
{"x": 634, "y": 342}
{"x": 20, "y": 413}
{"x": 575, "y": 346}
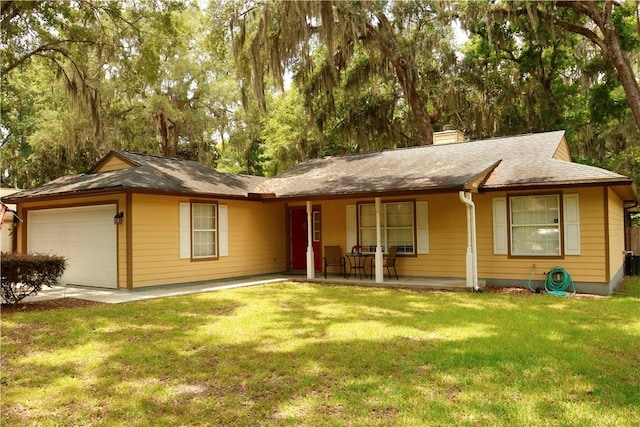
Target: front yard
{"x": 293, "y": 354}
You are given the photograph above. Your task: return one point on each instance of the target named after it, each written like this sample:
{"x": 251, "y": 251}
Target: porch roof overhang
{"x": 472, "y": 184}
{"x": 399, "y": 172}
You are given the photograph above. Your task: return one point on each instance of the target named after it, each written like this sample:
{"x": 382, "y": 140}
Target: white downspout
{"x": 311, "y": 270}
{"x": 472, "y": 256}
{"x": 378, "y": 256}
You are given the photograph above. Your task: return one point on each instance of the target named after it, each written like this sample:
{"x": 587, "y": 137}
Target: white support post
{"x": 378, "y": 258}
{"x": 311, "y": 270}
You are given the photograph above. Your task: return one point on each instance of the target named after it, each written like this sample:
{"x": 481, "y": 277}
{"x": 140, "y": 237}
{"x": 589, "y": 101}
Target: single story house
{"x": 491, "y": 210}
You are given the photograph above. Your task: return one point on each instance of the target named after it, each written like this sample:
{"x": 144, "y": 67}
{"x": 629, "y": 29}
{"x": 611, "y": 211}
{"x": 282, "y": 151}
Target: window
{"x": 396, "y": 223}
{"x": 316, "y": 226}
{"x": 204, "y": 229}
{"x": 535, "y": 225}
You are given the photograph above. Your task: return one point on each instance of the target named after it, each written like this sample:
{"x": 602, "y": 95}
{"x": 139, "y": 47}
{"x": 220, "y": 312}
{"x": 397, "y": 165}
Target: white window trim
{"x": 571, "y": 216}
{"x": 186, "y": 232}
{"x": 569, "y": 226}
{"x": 223, "y": 230}
{"x": 500, "y": 226}
{"x": 384, "y": 227}
{"x": 422, "y": 227}
{"x": 205, "y": 230}
{"x": 557, "y": 224}
{"x": 317, "y": 229}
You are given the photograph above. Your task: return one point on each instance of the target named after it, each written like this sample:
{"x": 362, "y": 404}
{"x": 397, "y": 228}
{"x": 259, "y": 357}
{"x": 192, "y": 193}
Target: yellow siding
{"x": 563, "y": 153}
{"x": 616, "y": 234}
{"x": 257, "y": 239}
{"x": 334, "y": 223}
{"x": 119, "y": 199}
{"x": 448, "y": 239}
{"x": 447, "y": 229}
{"x": 257, "y": 243}
{"x": 112, "y": 164}
{"x": 590, "y": 266}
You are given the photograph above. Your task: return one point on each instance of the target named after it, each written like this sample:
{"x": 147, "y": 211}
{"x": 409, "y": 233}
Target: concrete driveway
{"x": 116, "y": 296}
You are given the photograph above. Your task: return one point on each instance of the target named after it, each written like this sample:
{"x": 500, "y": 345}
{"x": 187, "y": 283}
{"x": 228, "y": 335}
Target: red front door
{"x": 298, "y": 237}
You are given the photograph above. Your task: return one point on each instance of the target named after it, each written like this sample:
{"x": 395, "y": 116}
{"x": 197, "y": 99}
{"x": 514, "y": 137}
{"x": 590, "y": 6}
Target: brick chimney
{"x": 448, "y": 135}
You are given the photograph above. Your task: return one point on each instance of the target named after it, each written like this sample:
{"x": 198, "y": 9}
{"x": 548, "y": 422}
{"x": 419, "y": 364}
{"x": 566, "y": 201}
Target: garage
{"x": 85, "y": 235}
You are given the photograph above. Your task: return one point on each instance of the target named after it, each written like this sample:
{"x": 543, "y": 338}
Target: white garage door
{"x": 85, "y": 235}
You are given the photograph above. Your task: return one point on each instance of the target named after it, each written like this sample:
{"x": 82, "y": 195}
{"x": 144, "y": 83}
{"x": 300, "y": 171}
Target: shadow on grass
{"x": 311, "y": 355}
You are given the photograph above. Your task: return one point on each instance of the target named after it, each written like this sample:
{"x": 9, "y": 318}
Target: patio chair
{"x": 333, "y": 258}
{"x": 389, "y": 262}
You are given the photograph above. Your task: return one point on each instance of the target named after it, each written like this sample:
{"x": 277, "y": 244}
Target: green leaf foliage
{"x": 255, "y": 87}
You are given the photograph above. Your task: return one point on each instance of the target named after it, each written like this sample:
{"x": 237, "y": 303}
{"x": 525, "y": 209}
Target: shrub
{"x": 25, "y": 274}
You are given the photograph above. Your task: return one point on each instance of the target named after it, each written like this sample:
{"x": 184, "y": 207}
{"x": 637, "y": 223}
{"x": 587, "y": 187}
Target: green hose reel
{"x": 559, "y": 283}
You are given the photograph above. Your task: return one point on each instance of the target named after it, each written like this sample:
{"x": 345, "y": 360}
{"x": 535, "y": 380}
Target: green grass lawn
{"x": 296, "y": 354}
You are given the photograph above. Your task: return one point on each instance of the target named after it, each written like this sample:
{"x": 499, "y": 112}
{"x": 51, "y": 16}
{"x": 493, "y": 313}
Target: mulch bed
{"x": 507, "y": 290}
{"x": 525, "y": 291}
{"x": 23, "y": 307}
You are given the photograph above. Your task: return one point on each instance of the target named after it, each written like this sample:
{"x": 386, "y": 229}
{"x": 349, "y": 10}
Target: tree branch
{"x": 12, "y": 8}
{"x": 608, "y": 8}
{"x": 588, "y": 8}
{"x": 577, "y": 29}
{"x": 45, "y": 48}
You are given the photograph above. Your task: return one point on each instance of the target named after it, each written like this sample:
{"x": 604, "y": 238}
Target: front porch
{"x": 431, "y": 247}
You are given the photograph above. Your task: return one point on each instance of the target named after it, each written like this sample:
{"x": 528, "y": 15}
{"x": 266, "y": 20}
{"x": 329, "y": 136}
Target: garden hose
{"x": 560, "y": 286}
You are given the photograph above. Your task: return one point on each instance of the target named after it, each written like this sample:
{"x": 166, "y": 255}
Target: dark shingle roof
{"x": 521, "y": 160}
{"x": 498, "y": 163}
{"x": 154, "y": 174}
{"x": 399, "y": 170}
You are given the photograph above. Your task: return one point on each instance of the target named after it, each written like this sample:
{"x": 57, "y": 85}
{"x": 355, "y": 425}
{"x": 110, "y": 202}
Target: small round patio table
{"x": 357, "y": 264}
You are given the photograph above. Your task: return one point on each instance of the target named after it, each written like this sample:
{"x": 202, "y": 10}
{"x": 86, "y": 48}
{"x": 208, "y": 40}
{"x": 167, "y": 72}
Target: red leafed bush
{"x": 26, "y": 274}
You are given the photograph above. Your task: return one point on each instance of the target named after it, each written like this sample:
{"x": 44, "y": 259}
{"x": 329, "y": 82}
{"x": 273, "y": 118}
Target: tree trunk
{"x": 625, "y": 72}
{"x": 404, "y": 74}
{"x": 609, "y": 44}
{"x": 162, "y": 133}
{"x": 407, "y": 77}
{"x": 174, "y": 133}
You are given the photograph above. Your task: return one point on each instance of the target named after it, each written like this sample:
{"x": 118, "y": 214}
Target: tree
{"x": 106, "y": 76}
{"x": 613, "y": 27}
{"x": 156, "y": 76}
{"x": 319, "y": 40}
{"x": 616, "y": 39}
{"x": 566, "y": 79}
{"x": 288, "y": 136}
{"x": 68, "y": 36}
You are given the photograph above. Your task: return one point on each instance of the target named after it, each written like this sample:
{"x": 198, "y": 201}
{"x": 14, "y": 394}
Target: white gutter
{"x": 472, "y": 255}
